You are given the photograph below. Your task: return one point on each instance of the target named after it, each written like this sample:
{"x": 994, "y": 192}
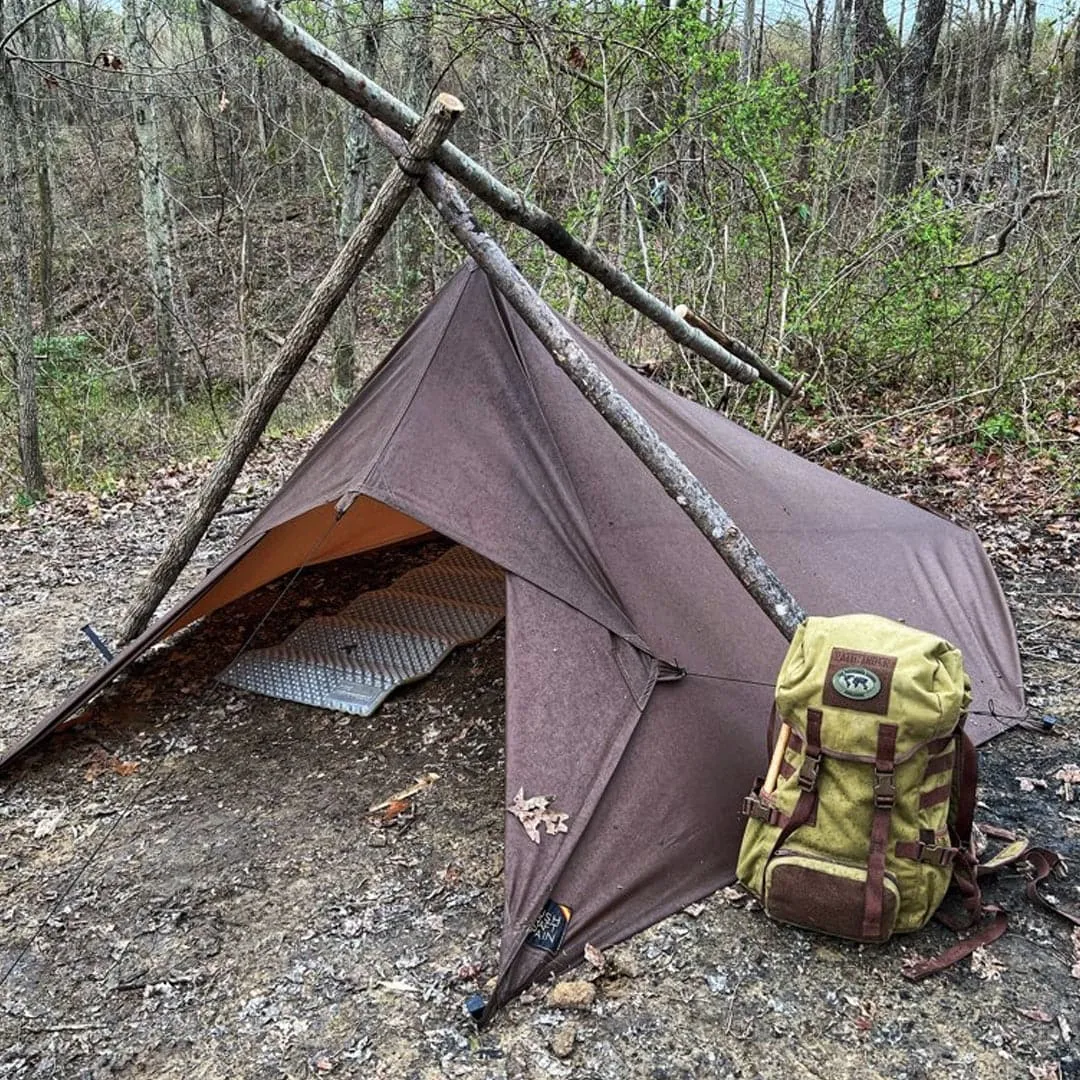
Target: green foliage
{"x": 775, "y": 225}
{"x": 64, "y": 352}
{"x": 97, "y": 424}
{"x": 905, "y": 306}
{"x": 1000, "y": 427}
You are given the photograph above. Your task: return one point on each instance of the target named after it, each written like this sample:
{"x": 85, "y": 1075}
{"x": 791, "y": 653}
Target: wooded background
{"x": 883, "y": 201}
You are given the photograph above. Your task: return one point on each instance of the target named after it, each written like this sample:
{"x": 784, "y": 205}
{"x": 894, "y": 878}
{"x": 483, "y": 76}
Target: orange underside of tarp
{"x": 314, "y": 537}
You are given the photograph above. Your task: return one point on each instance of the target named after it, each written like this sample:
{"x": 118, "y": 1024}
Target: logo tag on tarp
{"x": 548, "y": 931}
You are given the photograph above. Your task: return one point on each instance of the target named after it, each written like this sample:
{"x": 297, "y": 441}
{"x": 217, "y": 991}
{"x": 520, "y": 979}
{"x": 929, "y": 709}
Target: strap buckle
{"x": 884, "y": 789}
{"x": 808, "y": 772}
{"x": 935, "y": 855}
{"x": 756, "y": 808}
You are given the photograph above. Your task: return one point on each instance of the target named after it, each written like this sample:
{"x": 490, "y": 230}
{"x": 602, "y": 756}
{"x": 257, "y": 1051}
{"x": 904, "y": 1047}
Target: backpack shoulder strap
{"x": 965, "y": 779}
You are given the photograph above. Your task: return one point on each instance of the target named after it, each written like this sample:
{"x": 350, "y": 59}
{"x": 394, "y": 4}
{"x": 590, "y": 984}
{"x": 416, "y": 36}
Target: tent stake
{"x": 714, "y": 522}
{"x": 301, "y": 339}
{"x": 267, "y": 22}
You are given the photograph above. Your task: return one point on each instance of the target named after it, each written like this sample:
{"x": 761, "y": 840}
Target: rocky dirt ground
{"x": 192, "y": 885}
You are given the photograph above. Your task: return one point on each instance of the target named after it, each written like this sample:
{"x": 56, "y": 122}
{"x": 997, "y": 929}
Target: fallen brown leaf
{"x": 397, "y": 813}
{"x": 1038, "y": 1015}
{"x": 987, "y": 967}
{"x": 101, "y": 761}
{"x": 533, "y": 812}
{"x": 414, "y": 788}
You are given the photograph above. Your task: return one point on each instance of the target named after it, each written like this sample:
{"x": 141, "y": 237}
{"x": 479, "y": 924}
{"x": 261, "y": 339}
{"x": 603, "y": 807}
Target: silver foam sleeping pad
{"x": 386, "y": 638}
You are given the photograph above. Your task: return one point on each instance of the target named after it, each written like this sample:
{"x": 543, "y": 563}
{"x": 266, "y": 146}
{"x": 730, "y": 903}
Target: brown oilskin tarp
{"x": 469, "y": 428}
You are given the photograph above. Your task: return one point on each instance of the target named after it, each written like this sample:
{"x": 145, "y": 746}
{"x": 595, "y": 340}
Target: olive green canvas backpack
{"x": 858, "y": 829}
{"x": 865, "y": 818}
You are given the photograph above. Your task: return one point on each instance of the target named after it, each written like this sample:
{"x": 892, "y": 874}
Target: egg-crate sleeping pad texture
{"x": 352, "y": 660}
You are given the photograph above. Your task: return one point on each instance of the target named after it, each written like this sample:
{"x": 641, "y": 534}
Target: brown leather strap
{"x": 884, "y": 799}
{"x": 936, "y": 796}
{"x": 965, "y": 881}
{"x": 1043, "y": 863}
{"x": 807, "y": 801}
{"x": 940, "y": 764}
{"x": 811, "y": 762}
{"x": 939, "y": 745}
{"x": 990, "y": 931}
{"x": 966, "y": 775}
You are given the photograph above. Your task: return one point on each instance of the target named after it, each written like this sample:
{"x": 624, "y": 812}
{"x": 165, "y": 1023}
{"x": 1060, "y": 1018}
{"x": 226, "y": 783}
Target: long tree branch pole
{"x": 729, "y": 541}
{"x": 336, "y": 74}
{"x": 734, "y": 346}
{"x": 301, "y": 339}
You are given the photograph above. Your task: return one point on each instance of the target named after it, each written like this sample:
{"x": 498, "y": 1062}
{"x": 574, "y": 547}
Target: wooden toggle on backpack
{"x": 865, "y": 817}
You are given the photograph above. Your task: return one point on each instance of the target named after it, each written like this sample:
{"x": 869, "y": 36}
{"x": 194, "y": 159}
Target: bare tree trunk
{"x": 156, "y": 212}
{"x": 906, "y": 71}
{"x": 747, "y": 50}
{"x": 46, "y": 216}
{"x": 215, "y": 108}
{"x": 354, "y": 185}
{"x": 912, "y": 75}
{"x": 12, "y": 164}
{"x": 871, "y": 39}
{"x": 420, "y": 73}
{"x": 843, "y": 48}
{"x": 276, "y": 379}
{"x": 816, "y": 16}
{"x": 1026, "y": 37}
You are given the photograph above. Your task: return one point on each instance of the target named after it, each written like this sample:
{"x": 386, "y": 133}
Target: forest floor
{"x": 192, "y": 885}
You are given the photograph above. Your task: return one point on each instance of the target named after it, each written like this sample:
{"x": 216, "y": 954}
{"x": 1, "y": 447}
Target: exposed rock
{"x": 572, "y": 994}
{"x": 562, "y": 1040}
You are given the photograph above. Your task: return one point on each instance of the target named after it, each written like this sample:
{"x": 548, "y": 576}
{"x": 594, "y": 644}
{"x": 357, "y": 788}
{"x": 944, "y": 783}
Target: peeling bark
{"x": 157, "y": 220}
{"x": 356, "y": 175}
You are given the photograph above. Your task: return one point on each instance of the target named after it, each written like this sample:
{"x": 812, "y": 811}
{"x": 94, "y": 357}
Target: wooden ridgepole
{"x": 267, "y": 22}
{"x": 301, "y": 339}
{"x": 736, "y": 348}
{"x": 726, "y": 538}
